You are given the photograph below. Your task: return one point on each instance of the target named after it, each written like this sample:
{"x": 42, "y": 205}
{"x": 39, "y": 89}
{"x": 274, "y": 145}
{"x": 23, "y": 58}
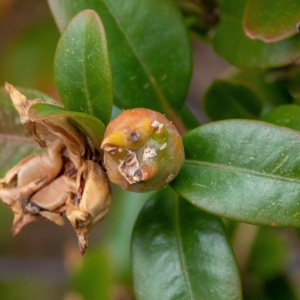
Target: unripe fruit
{"x": 143, "y": 151}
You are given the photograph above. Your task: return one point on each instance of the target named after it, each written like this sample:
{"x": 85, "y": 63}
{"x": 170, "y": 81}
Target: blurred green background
{"x": 43, "y": 261}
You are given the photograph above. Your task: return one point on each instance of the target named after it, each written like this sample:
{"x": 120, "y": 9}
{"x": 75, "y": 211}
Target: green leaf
{"x": 244, "y": 94}
{"x": 270, "y": 91}
{"x": 247, "y": 171}
{"x": 227, "y": 100}
{"x": 90, "y": 125}
{"x": 94, "y": 279}
{"x": 231, "y": 42}
{"x": 15, "y": 142}
{"x": 181, "y": 252}
{"x": 82, "y": 70}
{"x": 284, "y": 115}
{"x": 149, "y": 49}
{"x": 271, "y": 21}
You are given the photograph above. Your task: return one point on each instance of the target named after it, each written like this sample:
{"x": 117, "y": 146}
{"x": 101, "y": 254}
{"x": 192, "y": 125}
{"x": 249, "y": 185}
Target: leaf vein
{"x": 181, "y": 252}
{"x": 241, "y": 170}
{"x": 84, "y": 72}
{"x": 153, "y": 82}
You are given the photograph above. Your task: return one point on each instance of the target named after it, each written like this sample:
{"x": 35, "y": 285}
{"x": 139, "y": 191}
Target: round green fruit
{"x": 143, "y": 151}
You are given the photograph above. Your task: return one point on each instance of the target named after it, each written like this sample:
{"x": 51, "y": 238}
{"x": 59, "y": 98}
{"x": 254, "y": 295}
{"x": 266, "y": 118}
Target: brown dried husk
{"x": 63, "y": 181}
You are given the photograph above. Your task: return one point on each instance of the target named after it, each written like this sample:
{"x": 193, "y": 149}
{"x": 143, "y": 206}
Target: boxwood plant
{"x": 186, "y": 200}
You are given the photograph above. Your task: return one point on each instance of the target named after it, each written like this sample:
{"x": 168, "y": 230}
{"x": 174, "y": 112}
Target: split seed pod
{"x": 68, "y": 180}
{"x": 143, "y": 150}
{"x": 90, "y": 203}
{"x": 28, "y": 176}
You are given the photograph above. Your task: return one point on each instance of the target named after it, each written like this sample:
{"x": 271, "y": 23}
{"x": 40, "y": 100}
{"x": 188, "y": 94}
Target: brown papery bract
{"x": 63, "y": 181}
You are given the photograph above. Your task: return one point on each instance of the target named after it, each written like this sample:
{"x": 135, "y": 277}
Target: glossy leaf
{"x": 15, "y": 142}
{"x": 272, "y": 20}
{"x": 270, "y": 91}
{"x": 247, "y": 171}
{"x": 90, "y": 125}
{"x": 249, "y": 53}
{"x": 82, "y": 70}
{"x": 244, "y": 94}
{"x": 181, "y": 252}
{"x": 148, "y": 46}
{"x": 226, "y": 100}
{"x": 284, "y": 115}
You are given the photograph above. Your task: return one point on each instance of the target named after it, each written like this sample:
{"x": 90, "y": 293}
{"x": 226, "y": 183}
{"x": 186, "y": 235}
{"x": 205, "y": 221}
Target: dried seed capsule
{"x": 47, "y": 129}
{"x": 90, "y": 203}
{"x": 143, "y": 150}
{"x": 29, "y": 175}
{"x": 66, "y": 181}
{"x": 47, "y": 203}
